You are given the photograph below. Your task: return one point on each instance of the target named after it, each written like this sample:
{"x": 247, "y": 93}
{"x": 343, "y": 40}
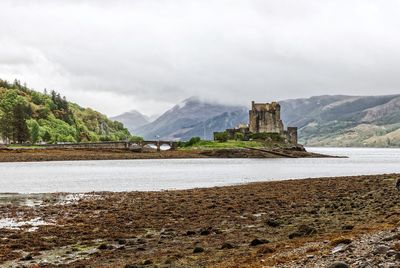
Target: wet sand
{"x": 265, "y": 224}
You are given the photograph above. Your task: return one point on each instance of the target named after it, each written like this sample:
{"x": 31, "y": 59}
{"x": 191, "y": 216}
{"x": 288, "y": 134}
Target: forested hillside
{"x": 30, "y": 116}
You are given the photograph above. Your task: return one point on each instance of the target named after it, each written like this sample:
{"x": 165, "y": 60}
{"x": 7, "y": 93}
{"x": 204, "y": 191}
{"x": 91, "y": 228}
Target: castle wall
{"x": 233, "y": 131}
{"x": 265, "y": 117}
{"x": 292, "y": 135}
{"x": 253, "y": 121}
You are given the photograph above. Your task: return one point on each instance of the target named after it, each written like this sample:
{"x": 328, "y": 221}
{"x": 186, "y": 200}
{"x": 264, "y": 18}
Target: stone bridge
{"x": 130, "y": 145}
{"x": 158, "y": 143}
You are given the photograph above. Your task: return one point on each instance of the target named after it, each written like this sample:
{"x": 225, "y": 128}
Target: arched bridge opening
{"x": 159, "y": 145}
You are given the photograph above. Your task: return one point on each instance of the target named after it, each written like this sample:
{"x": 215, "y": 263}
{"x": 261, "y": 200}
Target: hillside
{"x": 132, "y": 120}
{"x": 193, "y": 117}
{"x": 345, "y": 120}
{"x": 29, "y": 116}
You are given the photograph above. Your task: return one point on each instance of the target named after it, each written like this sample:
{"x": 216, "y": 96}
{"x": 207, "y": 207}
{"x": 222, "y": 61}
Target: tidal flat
{"x": 292, "y": 223}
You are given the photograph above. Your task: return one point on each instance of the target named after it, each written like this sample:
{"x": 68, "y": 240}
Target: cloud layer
{"x": 147, "y": 55}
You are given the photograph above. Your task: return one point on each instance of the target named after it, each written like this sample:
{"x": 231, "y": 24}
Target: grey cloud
{"x": 155, "y": 53}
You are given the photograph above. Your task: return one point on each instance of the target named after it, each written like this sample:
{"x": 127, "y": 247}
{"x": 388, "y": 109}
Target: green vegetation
{"x": 239, "y": 136}
{"x": 221, "y": 136}
{"x": 230, "y": 144}
{"x": 135, "y": 139}
{"x": 23, "y": 146}
{"x": 30, "y": 116}
{"x": 222, "y": 141}
{"x": 192, "y": 141}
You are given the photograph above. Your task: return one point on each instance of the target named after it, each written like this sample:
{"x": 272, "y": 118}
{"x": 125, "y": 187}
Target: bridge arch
{"x": 159, "y": 145}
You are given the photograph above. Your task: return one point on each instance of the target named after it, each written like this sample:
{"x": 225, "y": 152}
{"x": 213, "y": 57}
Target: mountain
{"x": 193, "y": 117}
{"x": 153, "y": 117}
{"x": 30, "y": 116}
{"x": 372, "y": 121}
{"x": 339, "y": 120}
{"x": 132, "y": 120}
{"x": 206, "y": 129}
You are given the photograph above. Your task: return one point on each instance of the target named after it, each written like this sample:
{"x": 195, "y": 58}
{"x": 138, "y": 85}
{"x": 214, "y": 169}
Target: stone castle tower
{"x": 265, "y": 117}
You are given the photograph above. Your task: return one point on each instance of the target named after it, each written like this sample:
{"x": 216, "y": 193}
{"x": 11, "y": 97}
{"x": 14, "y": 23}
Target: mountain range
{"x": 345, "y": 120}
{"x": 322, "y": 120}
{"x": 192, "y": 117}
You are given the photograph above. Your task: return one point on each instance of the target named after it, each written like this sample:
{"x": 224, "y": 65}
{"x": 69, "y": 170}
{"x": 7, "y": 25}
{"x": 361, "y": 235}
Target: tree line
{"x": 30, "y": 116}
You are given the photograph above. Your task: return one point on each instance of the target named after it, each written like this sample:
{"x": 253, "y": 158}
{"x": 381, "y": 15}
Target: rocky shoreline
{"x": 351, "y": 221}
{"x": 64, "y": 154}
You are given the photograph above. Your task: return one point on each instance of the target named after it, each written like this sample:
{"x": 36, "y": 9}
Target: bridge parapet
{"x": 111, "y": 145}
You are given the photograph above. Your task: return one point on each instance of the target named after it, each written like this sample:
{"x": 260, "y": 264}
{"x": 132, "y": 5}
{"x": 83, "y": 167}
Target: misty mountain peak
{"x": 132, "y": 119}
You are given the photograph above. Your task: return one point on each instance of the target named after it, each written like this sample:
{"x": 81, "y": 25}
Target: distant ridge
{"x": 132, "y": 120}
{"x": 193, "y": 117}
{"x": 339, "y": 120}
{"x": 328, "y": 120}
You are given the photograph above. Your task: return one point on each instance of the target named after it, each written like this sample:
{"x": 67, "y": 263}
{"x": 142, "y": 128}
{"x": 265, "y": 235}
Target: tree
{"x": 20, "y": 128}
{"x": 15, "y": 111}
{"x": 6, "y": 125}
{"x": 35, "y": 132}
{"x": 4, "y": 84}
{"x": 17, "y": 84}
{"x": 8, "y": 102}
{"x": 47, "y": 136}
{"x": 60, "y": 108}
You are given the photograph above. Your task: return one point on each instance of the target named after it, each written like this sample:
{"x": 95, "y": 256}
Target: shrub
{"x": 221, "y": 136}
{"x": 192, "y": 141}
{"x": 239, "y": 136}
{"x": 180, "y": 144}
{"x": 135, "y": 138}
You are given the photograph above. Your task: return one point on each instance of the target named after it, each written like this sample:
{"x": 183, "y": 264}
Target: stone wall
{"x": 265, "y": 117}
{"x": 291, "y": 135}
{"x": 243, "y": 130}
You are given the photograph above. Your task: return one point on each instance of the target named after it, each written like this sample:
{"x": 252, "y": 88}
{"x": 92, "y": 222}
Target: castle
{"x": 265, "y": 118}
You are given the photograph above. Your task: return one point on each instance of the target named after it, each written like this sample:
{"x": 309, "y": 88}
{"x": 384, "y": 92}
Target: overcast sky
{"x": 116, "y": 56}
